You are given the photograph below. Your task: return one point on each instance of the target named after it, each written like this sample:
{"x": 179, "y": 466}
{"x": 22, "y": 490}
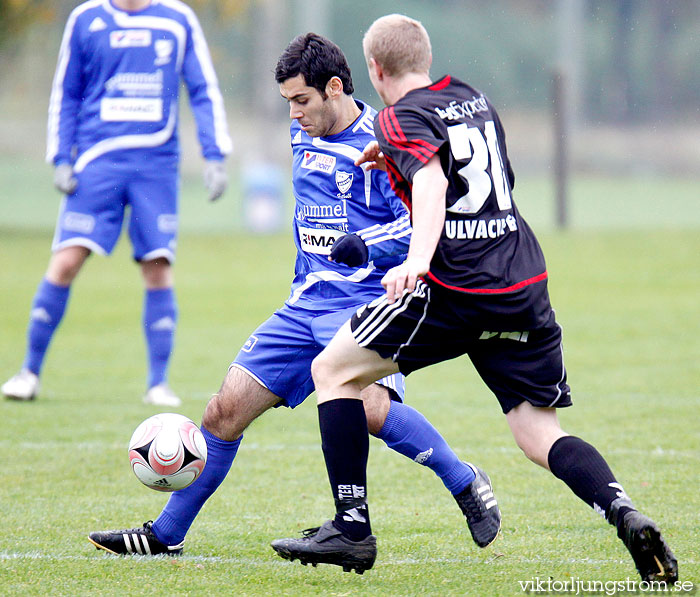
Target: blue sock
{"x": 409, "y": 433}
{"x": 47, "y": 311}
{"x": 184, "y": 505}
{"x": 159, "y": 321}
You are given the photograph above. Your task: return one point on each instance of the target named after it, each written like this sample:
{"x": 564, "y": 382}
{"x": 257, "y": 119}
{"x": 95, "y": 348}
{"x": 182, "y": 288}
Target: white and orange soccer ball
{"x": 167, "y": 452}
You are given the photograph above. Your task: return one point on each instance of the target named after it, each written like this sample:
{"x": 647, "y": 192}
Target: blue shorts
{"x": 92, "y": 217}
{"x": 279, "y": 353}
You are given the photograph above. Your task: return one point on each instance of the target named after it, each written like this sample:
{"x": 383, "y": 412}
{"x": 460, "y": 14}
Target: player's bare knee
{"x": 213, "y": 414}
{"x": 534, "y": 449}
{"x": 526, "y": 448}
{"x": 65, "y": 265}
{"x": 221, "y": 418}
{"x": 157, "y": 273}
{"x": 375, "y": 421}
{"x": 535, "y": 429}
{"x": 376, "y": 402}
{"x": 62, "y": 277}
{"x": 322, "y": 371}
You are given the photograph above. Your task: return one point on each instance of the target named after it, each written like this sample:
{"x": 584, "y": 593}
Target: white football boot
{"x": 162, "y": 395}
{"x": 23, "y": 386}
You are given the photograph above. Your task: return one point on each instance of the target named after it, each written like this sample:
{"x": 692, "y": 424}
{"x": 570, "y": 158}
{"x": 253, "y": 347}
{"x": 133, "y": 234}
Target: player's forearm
{"x": 384, "y": 240}
{"x": 428, "y": 210}
{"x": 61, "y": 134}
{"x": 64, "y": 106}
{"x": 207, "y": 106}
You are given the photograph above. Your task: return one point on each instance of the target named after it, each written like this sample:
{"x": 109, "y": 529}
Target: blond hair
{"x": 399, "y": 44}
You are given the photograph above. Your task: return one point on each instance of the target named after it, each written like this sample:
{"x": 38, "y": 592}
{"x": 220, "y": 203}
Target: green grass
{"x": 627, "y": 300}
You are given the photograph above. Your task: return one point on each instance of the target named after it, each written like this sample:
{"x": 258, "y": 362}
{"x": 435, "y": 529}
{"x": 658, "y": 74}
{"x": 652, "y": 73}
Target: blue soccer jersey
{"x": 334, "y": 197}
{"x": 117, "y": 82}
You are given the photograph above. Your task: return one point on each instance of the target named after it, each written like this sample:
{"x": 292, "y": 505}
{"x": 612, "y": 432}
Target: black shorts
{"x": 431, "y": 325}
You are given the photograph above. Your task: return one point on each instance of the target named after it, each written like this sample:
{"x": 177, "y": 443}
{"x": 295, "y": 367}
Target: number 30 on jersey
{"x": 468, "y": 143}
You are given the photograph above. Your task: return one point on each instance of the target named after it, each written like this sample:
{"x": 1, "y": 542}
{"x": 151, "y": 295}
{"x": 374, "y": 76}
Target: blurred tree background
{"x": 632, "y": 68}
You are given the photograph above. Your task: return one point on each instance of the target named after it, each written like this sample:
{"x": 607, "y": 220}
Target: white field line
{"x": 278, "y": 447}
{"x": 275, "y": 562}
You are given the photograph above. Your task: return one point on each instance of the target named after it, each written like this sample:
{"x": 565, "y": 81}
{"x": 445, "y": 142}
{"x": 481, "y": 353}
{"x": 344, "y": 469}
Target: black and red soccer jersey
{"x": 486, "y": 247}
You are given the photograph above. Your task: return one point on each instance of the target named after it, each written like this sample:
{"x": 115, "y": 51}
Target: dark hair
{"x": 317, "y": 59}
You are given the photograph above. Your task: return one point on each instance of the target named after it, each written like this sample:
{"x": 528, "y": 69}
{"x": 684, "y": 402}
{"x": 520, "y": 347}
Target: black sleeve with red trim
{"x": 407, "y": 138}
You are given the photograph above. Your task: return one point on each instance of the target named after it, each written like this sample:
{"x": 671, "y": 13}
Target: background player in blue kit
{"x": 112, "y": 137}
{"x": 334, "y": 199}
{"x": 474, "y": 282}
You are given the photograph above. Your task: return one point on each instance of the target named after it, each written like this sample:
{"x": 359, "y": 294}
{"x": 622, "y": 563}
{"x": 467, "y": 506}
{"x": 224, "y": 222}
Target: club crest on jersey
{"x": 130, "y": 38}
{"x": 318, "y": 161}
{"x": 164, "y": 51}
{"x": 343, "y": 180}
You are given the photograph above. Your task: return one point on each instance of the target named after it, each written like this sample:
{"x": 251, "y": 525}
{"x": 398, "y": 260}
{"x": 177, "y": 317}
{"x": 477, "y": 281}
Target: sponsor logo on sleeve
{"x": 318, "y": 161}
{"x": 130, "y": 38}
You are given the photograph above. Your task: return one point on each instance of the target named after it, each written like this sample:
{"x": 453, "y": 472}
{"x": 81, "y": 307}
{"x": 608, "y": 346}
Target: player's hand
{"x": 215, "y": 179}
{"x": 350, "y": 250}
{"x": 64, "y": 180}
{"x": 373, "y": 157}
{"x": 403, "y": 277}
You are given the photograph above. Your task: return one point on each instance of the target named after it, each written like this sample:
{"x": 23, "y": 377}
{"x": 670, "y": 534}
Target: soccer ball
{"x": 167, "y": 452}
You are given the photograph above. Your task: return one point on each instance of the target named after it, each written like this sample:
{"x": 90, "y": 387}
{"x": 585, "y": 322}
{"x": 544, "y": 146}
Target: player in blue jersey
{"x": 349, "y": 230}
{"x": 474, "y": 282}
{"x": 113, "y": 139}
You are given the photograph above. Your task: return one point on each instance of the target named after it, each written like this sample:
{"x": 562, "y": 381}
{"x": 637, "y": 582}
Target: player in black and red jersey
{"x": 474, "y": 283}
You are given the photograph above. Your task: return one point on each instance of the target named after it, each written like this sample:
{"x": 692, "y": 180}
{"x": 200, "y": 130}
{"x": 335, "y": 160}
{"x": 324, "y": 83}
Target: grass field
{"x": 628, "y": 301}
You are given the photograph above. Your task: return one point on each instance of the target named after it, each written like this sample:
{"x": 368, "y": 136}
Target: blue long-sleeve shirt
{"x": 117, "y": 83}
{"x": 334, "y": 197}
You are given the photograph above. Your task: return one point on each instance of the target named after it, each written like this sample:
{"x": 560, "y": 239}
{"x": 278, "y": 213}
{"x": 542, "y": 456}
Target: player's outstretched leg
{"x": 652, "y": 556}
{"x": 480, "y": 508}
{"x": 586, "y": 472}
{"x": 138, "y": 541}
{"x": 328, "y": 545}
{"x": 408, "y": 432}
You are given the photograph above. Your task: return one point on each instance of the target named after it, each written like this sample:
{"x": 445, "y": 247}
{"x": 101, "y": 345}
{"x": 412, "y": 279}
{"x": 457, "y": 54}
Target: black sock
{"x": 585, "y": 471}
{"x": 345, "y": 443}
